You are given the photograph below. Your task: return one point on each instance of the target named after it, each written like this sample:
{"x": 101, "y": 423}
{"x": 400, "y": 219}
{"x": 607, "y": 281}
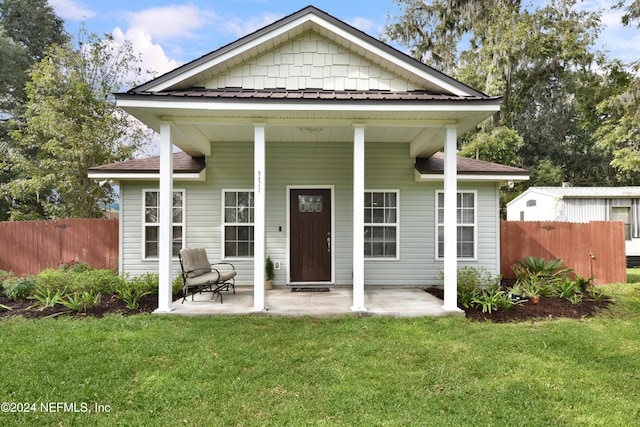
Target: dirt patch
{"x": 547, "y": 308}
{"x": 109, "y": 304}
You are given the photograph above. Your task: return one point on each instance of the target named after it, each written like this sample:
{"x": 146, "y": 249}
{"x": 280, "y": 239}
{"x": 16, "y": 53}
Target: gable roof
{"x": 313, "y": 19}
{"x": 308, "y": 69}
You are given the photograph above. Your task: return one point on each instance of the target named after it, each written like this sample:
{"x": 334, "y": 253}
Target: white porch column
{"x": 450, "y": 221}
{"x": 358, "y": 219}
{"x": 259, "y": 190}
{"x": 165, "y": 249}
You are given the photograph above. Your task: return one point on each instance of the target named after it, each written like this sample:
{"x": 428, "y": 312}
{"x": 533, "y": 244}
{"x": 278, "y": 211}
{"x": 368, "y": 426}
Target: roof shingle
{"x": 182, "y": 163}
{"x": 435, "y": 165}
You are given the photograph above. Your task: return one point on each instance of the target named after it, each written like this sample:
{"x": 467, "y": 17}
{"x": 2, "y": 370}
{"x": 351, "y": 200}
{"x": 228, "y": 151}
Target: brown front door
{"x": 310, "y": 221}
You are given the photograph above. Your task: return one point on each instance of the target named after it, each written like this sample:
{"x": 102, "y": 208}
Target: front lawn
{"x": 256, "y": 370}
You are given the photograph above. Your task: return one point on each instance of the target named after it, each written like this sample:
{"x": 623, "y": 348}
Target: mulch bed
{"x": 547, "y": 308}
{"x": 109, "y": 304}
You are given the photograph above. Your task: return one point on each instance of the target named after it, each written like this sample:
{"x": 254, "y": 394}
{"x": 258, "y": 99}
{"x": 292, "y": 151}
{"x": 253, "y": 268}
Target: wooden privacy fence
{"x": 28, "y": 247}
{"x": 592, "y": 249}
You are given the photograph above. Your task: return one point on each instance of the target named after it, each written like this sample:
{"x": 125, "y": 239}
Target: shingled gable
{"x": 193, "y": 74}
{"x": 307, "y": 67}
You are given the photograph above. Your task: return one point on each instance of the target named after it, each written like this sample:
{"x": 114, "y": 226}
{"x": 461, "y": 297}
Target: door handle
{"x": 329, "y": 242}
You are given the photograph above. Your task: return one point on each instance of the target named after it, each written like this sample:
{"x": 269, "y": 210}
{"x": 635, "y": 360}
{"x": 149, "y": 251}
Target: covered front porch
{"x": 391, "y": 301}
{"x": 310, "y": 102}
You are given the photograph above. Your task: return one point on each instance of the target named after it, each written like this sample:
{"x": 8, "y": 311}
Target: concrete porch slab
{"x": 379, "y": 301}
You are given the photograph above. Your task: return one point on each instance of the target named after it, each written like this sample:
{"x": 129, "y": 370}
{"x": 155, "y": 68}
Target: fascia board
{"x": 435, "y": 177}
{"x": 348, "y": 105}
{"x": 144, "y": 176}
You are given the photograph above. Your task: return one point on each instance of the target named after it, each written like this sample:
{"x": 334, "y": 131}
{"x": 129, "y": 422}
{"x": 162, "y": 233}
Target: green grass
{"x": 252, "y": 370}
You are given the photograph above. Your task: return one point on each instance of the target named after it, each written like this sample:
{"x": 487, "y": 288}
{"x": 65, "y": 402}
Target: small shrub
{"x": 81, "y": 301}
{"x": 597, "y": 294}
{"x": 177, "y": 285}
{"x": 584, "y": 284}
{"x": 47, "y": 298}
{"x": 18, "y": 288}
{"x": 97, "y": 281}
{"x": 566, "y": 288}
{"x": 103, "y": 281}
{"x": 575, "y": 298}
{"x": 149, "y": 282}
{"x": 493, "y": 299}
{"x": 471, "y": 282}
{"x": 544, "y": 272}
{"x": 75, "y": 266}
{"x": 131, "y": 291}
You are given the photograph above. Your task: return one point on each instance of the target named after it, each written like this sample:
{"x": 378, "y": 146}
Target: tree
{"x": 632, "y": 12}
{"x": 619, "y": 131}
{"x": 27, "y": 29}
{"x": 501, "y": 146}
{"x": 72, "y": 123}
{"x": 539, "y": 60}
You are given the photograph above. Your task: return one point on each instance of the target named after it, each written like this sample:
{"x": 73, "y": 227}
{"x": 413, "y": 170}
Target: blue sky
{"x": 169, "y": 33}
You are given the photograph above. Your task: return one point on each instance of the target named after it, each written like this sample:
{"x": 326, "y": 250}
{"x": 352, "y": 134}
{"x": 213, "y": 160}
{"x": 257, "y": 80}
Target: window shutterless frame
{"x": 381, "y": 224}
{"x": 237, "y": 224}
{"x": 151, "y": 223}
{"x": 466, "y": 221}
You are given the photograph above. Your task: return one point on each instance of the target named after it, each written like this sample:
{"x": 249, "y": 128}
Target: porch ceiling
{"x": 422, "y": 128}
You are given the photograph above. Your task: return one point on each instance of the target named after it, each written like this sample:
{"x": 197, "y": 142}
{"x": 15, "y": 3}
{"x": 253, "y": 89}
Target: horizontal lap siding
{"x": 388, "y": 167}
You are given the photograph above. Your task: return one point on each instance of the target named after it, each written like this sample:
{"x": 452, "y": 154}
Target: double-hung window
{"x": 381, "y": 224}
{"x": 466, "y": 224}
{"x": 152, "y": 223}
{"x": 238, "y": 223}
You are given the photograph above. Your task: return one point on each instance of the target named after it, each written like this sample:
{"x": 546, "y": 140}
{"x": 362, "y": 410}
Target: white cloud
{"x": 363, "y": 24}
{"x": 241, "y": 27}
{"x": 153, "y": 55}
{"x": 72, "y": 10}
{"x": 171, "y": 22}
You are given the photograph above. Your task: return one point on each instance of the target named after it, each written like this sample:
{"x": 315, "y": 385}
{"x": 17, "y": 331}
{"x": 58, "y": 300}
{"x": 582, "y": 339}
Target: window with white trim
{"x": 466, "y": 224}
{"x": 381, "y": 224}
{"x": 622, "y": 213}
{"x": 152, "y": 223}
{"x": 238, "y": 223}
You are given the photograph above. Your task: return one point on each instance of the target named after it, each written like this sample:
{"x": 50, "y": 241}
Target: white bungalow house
{"x": 317, "y": 145}
{"x": 583, "y": 204}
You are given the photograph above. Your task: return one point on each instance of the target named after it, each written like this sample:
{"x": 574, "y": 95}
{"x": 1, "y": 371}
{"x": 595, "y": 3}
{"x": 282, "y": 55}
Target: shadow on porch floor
{"x": 280, "y": 301}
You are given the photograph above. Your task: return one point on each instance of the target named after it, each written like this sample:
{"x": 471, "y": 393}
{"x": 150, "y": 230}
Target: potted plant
{"x": 270, "y": 273}
{"x": 531, "y": 289}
